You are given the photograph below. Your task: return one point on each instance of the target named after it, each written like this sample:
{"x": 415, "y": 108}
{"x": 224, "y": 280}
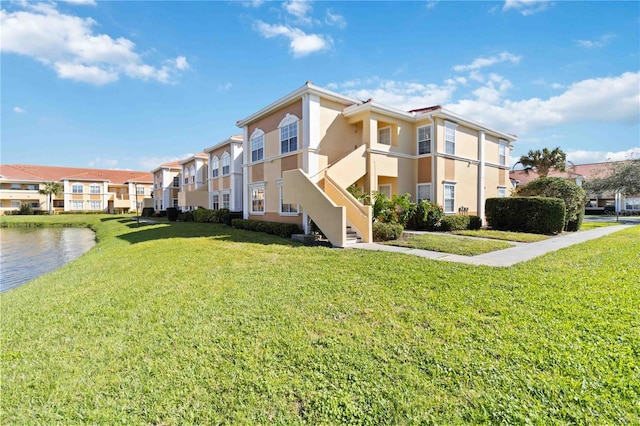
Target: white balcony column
{"x": 481, "y": 174}
{"x": 246, "y": 151}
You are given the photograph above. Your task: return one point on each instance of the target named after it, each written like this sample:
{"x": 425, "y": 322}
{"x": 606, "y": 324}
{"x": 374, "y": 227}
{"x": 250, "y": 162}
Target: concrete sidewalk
{"x": 507, "y": 257}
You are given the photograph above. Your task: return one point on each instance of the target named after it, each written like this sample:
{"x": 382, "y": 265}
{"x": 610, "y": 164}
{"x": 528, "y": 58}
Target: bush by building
{"x": 386, "y": 231}
{"x": 284, "y": 230}
{"x": 538, "y": 215}
{"x": 458, "y": 222}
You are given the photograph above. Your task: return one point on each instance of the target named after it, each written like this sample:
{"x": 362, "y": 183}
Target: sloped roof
{"x": 586, "y": 171}
{"x": 57, "y": 174}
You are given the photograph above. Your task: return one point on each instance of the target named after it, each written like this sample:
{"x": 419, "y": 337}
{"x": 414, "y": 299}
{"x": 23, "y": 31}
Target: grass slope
{"x": 195, "y": 323}
{"x": 449, "y": 244}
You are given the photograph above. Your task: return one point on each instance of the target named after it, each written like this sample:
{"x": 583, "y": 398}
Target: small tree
{"x": 543, "y": 161}
{"x": 50, "y": 189}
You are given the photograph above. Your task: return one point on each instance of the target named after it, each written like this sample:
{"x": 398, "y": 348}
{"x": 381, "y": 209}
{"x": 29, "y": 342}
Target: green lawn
{"x": 184, "y": 323}
{"x": 592, "y": 225}
{"x": 448, "y": 244}
{"x": 521, "y": 237}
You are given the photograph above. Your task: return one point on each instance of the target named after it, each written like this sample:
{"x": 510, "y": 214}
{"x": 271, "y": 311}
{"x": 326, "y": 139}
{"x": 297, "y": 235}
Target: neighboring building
{"x": 225, "y": 174}
{"x": 166, "y": 185}
{"x": 110, "y": 191}
{"x": 194, "y": 189}
{"x": 303, "y": 151}
{"x": 580, "y": 173}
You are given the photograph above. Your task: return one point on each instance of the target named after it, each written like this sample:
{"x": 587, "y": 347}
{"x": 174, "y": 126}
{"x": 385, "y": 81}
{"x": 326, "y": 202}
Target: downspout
{"x": 481, "y": 175}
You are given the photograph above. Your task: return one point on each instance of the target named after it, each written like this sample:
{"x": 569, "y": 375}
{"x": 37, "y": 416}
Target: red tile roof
{"x": 586, "y": 171}
{"x": 426, "y": 109}
{"x": 56, "y": 174}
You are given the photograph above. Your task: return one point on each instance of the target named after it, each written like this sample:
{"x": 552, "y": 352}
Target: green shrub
{"x": 459, "y": 222}
{"x": 573, "y": 196}
{"x": 284, "y": 230}
{"x": 229, "y": 216}
{"x": 172, "y": 214}
{"x": 25, "y": 210}
{"x": 575, "y": 225}
{"x": 398, "y": 209}
{"x": 386, "y": 231}
{"x": 538, "y": 215}
{"x": 426, "y": 217}
{"x": 147, "y": 212}
{"x": 187, "y": 216}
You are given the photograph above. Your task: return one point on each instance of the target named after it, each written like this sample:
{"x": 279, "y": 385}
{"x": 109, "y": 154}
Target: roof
{"x": 199, "y": 155}
{"x": 237, "y": 139}
{"x": 585, "y": 171}
{"x": 24, "y": 172}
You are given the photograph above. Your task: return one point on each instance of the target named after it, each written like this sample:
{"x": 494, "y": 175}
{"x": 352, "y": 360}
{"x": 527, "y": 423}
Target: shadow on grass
{"x": 146, "y": 231}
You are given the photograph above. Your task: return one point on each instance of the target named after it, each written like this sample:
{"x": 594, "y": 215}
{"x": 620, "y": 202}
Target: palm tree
{"x": 50, "y": 189}
{"x": 543, "y": 161}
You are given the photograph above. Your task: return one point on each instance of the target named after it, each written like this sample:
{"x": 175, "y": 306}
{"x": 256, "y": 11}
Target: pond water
{"x": 26, "y": 253}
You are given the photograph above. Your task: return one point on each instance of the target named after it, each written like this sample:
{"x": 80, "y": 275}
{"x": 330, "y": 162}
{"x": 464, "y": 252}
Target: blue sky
{"x": 131, "y": 85}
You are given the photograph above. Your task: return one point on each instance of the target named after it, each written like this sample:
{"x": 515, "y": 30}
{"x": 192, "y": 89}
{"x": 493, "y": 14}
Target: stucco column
{"x": 246, "y": 149}
{"x": 369, "y": 135}
{"x": 481, "y": 175}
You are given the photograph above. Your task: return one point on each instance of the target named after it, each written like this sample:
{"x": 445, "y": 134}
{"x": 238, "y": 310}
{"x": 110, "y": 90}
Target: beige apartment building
{"x": 225, "y": 174}
{"x": 166, "y": 185}
{"x": 303, "y": 151}
{"x": 109, "y": 191}
{"x": 194, "y": 190}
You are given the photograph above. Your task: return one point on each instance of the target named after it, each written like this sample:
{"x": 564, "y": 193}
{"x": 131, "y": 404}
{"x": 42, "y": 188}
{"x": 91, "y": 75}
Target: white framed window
{"x": 449, "y": 197}
{"x": 257, "y": 145}
{"x": 186, "y": 180}
{"x": 286, "y": 208}
{"x": 176, "y": 182}
{"x": 384, "y": 135}
{"x": 423, "y": 192}
{"x": 226, "y": 163}
{"x": 385, "y": 189}
{"x": 257, "y": 198}
{"x": 289, "y": 138}
{"x": 139, "y": 190}
{"x": 77, "y": 205}
{"x": 632, "y": 203}
{"x": 175, "y": 203}
{"x": 215, "y": 165}
{"x": 226, "y": 200}
{"x": 77, "y": 188}
{"x": 215, "y": 201}
{"x": 32, "y": 187}
{"x": 502, "y": 153}
{"x": 424, "y": 140}
{"x": 502, "y": 191}
{"x": 450, "y": 138}
{"x": 94, "y": 188}
{"x": 16, "y": 186}
{"x": 95, "y": 205}
{"x": 16, "y": 204}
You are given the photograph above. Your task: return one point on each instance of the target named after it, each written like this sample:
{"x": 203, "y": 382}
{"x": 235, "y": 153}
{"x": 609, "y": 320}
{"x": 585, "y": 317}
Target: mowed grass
{"x": 449, "y": 244}
{"x": 521, "y": 237}
{"x": 189, "y": 323}
{"x": 593, "y": 225}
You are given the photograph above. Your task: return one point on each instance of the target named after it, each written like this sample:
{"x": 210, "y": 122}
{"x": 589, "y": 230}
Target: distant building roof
{"x": 584, "y": 171}
{"x": 56, "y": 174}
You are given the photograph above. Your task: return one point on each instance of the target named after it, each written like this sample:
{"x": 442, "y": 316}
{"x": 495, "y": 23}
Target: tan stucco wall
{"x": 270, "y": 123}
{"x": 337, "y": 136}
{"x": 277, "y": 217}
{"x": 424, "y": 169}
{"x": 256, "y": 173}
{"x": 466, "y": 142}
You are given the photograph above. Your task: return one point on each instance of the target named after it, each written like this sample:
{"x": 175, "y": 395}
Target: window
{"x": 384, "y": 136}
{"x": 225, "y": 164}
{"x": 450, "y": 138}
{"x": 289, "y": 138}
{"x": 225, "y": 200}
{"x": 257, "y": 145}
{"x": 502, "y": 191}
{"x": 94, "y": 188}
{"x": 424, "y": 140}
{"x": 77, "y": 205}
{"x": 32, "y": 187}
{"x": 424, "y": 192}
{"x": 16, "y": 186}
{"x": 503, "y": 153}
{"x": 95, "y": 205}
{"x": 215, "y": 164}
{"x": 175, "y": 203}
{"x": 632, "y": 203}
{"x": 76, "y": 188}
{"x": 176, "y": 182}
{"x": 385, "y": 189}
{"x": 257, "y": 199}
{"x": 215, "y": 202}
{"x": 449, "y": 197}
{"x": 139, "y": 190}
{"x": 15, "y": 204}
{"x": 284, "y": 207}
{"x": 186, "y": 180}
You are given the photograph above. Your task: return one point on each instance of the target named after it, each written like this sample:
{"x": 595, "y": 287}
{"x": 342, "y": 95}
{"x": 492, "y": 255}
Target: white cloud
{"x": 224, "y": 87}
{"x": 82, "y": 2}
{"x": 601, "y": 41}
{"x": 527, "y": 7}
{"x": 586, "y": 157}
{"x": 486, "y": 62}
{"x": 19, "y": 110}
{"x": 67, "y": 44}
{"x": 432, "y": 3}
{"x": 103, "y": 162}
{"x": 300, "y": 9}
{"x": 335, "y": 20}
{"x": 300, "y": 43}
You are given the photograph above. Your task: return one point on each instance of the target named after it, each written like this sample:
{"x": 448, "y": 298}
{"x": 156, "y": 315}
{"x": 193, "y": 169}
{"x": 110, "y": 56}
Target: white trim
{"x": 428, "y": 184}
{"x": 386, "y": 185}
{"x": 280, "y": 212}
{"x": 430, "y": 126}
{"x": 481, "y": 174}
{"x": 380, "y": 129}
{"x": 288, "y": 119}
{"x": 256, "y": 134}
{"x": 264, "y": 198}
{"x": 245, "y": 173}
{"x": 226, "y": 156}
{"x": 452, "y": 126}
{"x": 446, "y": 183}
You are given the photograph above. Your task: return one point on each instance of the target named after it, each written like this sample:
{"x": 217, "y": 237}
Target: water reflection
{"x": 26, "y": 253}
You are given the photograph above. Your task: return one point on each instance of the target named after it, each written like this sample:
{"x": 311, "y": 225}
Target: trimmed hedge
{"x": 386, "y": 231}
{"x": 172, "y": 214}
{"x": 229, "y": 216}
{"x": 458, "y": 222}
{"x": 538, "y": 215}
{"x": 284, "y": 230}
